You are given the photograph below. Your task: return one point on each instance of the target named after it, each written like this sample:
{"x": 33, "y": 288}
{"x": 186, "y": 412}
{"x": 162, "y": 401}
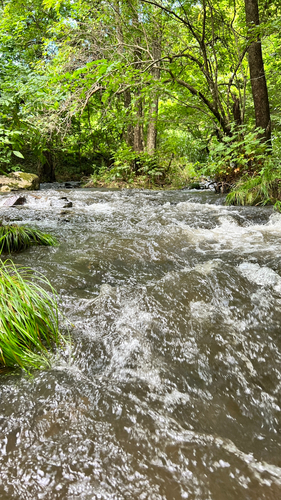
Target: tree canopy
{"x": 136, "y": 87}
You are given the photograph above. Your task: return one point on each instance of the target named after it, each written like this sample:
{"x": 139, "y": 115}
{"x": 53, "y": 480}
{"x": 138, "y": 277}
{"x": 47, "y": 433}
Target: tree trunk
{"x": 138, "y": 128}
{"x": 129, "y": 133}
{"x": 153, "y": 111}
{"x": 46, "y": 171}
{"x": 152, "y": 127}
{"x": 236, "y": 111}
{"x": 258, "y": 80}
{"x": 130, "y": 128}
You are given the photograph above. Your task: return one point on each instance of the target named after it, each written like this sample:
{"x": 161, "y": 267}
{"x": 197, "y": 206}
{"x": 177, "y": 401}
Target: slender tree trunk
{"x": 153, "y": 111}
{"x": 152, "y": 127}
{"x": 130, "y": 129}
{"x": 257, "y": 74}
{"x": 236, "y": 110}
{"x": 138, "y": 128}
{"x": 129, "y": 133}
{"x": 134, "y": 132}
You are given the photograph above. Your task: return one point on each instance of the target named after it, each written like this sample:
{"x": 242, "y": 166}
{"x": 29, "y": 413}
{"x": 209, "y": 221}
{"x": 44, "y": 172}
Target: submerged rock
{"x": 17, "y": 181}
{"x": 60, "y": 185}
{"x": 201, "y": 185}
{"x": 13, "y": 201}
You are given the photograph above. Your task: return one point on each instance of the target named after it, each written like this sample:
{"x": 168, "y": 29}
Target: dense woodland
{"x": 143, "y": 93}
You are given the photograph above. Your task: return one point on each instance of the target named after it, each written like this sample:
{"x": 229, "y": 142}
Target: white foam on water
{"x": 207, "y": 267}
{"x": 263, "y": 276}
{"x": 107, "y": 208}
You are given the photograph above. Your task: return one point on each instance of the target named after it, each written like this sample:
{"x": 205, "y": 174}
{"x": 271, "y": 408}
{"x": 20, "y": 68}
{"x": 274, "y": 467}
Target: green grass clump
{"x": 28, "y": 319}
{"x": 262, "y": 189}
{"x": 14, "y": 238}
{"x": 250, "y": 191}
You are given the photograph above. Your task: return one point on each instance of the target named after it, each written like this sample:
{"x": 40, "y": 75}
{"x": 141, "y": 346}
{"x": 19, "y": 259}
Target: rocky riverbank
{"x": 18, "y": 181}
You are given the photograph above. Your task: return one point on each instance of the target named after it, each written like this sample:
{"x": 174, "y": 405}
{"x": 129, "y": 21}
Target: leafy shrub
{"x": 145, "y": 170}
{"x": 128, "y": 164}
{"x": 236, "y": 154}
{"x": 10, "y": 142}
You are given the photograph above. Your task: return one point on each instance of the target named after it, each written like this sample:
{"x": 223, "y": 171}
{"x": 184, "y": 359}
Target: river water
{"x": 173, "y": 386}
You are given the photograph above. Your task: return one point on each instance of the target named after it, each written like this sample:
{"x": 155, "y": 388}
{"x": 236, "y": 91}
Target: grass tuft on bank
{"x": 262, "y": 189}
{"x": 14, "y": 238}
{"x": 29, "y": 319}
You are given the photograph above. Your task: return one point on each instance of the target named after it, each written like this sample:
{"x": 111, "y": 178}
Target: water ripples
{"x": 172, "y": 389}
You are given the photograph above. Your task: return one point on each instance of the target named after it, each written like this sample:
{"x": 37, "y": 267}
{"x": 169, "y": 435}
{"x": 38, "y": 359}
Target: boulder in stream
{"x": 18, "y": 181}
{"x": 13, "y": 201}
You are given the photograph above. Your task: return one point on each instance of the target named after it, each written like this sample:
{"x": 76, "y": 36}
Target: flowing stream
{"x": 172, "y": 389}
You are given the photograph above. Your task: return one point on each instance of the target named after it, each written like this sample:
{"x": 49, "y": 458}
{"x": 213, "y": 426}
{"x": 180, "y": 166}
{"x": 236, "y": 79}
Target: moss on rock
{"x": 18, "y": 181}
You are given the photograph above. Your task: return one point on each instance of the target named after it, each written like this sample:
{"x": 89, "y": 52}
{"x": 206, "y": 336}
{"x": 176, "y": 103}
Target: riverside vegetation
{"x": 143, "y": 93}
{"x": 29, "y": 311}
{"x": 14, "y": 238}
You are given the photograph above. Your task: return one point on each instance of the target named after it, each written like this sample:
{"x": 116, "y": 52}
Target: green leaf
{"x": 17, "y": 153}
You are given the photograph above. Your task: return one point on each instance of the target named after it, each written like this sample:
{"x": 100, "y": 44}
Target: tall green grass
{"x": 29, "y": 318}
{"x": 14, "y": 238}
{"x": 262, "y": 189}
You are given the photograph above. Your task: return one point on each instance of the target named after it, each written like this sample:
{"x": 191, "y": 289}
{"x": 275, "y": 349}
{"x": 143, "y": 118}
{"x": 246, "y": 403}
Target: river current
{"x": 172, "y": 388}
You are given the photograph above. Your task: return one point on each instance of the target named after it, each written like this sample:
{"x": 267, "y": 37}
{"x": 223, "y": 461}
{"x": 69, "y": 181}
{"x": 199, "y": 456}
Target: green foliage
{"x": 10, "y": 142}
{"x": 28, "y": 319}
{"x": 128, "y": 164}
{"x": 144, "y": 170}
{"x": 241, "y": 151}
{"x": 261, "y": 189}
{"x": 122, "y": 167}
{"x": 14, "y": 238}
{"x": 78, "y": 78}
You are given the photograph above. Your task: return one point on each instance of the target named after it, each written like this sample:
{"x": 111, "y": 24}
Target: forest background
{"x": 144, "y": 93}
